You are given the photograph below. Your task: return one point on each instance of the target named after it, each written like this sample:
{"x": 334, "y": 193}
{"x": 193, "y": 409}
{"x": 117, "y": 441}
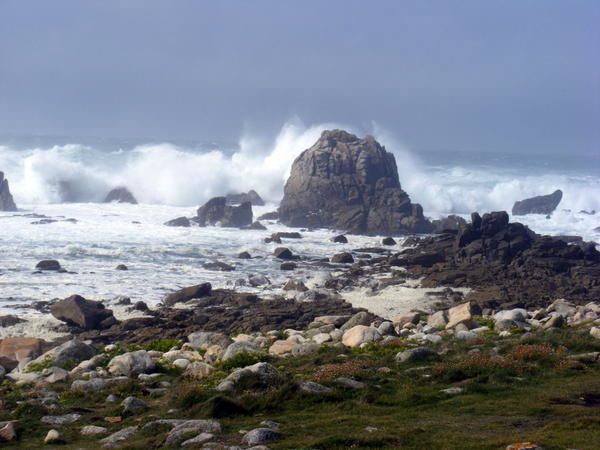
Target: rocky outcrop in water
{"x": 505, "y": 263}
{"x": 351, "y": 184}
{"x": 542, "y": 204}
{"x": 86, "y": 314}
{"x": 217, "y": 212}
{"x": 120, "y": 195}
{"x": 250, "y": 196}
{"x": 7, "y": 202}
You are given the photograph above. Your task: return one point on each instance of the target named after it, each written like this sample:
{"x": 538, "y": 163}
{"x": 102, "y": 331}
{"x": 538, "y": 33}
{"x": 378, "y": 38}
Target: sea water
{"x": 65, "y": 178}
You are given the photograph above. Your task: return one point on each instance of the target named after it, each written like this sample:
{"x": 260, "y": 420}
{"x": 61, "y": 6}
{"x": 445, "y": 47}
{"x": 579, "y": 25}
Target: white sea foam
{"x": 171, "y": 180}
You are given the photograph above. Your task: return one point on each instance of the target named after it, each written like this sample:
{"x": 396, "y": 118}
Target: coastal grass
{"x": 512, "y": 390}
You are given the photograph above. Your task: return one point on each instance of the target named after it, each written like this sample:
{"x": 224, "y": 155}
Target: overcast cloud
{"x": 505, "y": 75}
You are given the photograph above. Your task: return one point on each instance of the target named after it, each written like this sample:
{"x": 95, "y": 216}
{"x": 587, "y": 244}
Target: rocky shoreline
{"x": 229, "y": 343}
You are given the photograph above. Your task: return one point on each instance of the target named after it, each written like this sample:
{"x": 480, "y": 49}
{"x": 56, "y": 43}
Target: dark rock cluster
{"x": 220, "y": 310}
{"x": 506, "y": 263}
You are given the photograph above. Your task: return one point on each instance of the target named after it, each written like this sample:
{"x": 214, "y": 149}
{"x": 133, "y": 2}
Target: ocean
{"x": 65, "y": 178}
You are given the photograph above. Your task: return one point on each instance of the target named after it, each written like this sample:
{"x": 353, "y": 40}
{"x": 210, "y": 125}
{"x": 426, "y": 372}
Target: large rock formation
{"x": 217, "y": 212}
{"x": 250, "y": 196}
{"x": 350, "y": 184}
{"x": 120, "y": 195}
{"x": 505, "y": 264}
{"x": 542, "y": 204}
{"x": 7, "y": 202}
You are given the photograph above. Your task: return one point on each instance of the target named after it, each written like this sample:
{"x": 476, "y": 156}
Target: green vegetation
{"x": 511, "y": 390}
{"x": 244, "y": 359}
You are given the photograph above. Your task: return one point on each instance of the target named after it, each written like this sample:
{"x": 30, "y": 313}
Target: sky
{"x": 494, "y": 75}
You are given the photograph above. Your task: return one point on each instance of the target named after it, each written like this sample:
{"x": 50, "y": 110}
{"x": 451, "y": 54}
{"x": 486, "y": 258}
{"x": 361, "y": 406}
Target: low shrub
{"x": 244, "y": 359}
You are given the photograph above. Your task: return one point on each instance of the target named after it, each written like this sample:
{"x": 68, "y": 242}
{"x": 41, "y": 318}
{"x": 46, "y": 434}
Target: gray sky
{"x": 504, "y": 75}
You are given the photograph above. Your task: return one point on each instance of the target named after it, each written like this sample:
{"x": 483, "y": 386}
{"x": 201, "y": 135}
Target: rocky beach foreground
{"x": 478, "y": 335}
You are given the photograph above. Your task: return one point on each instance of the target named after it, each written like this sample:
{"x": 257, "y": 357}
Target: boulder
{"x": 188, "y": 293}
{"x": 66, "y": 354}
{"x": 360, "y": 318}
{"x": 133, "y": 405}
{"x": 16, "y": 349}
{"x": 49, "y": 265}
{"x": 131, "y": 364}
{"x": 179, "y": 222}
{"x": 462, "y": 313}
{"x": 438, "y": 320}
{"x": 288, "y": 266}
{"x": 415, "y": 354}
{"x": 256, "y": 225}
{"x": 342, "y": 258}
{"x": 120, "y": 195}
{"x": 283, "y": 253}
{"x": 449, "y": 223}
{"x": 388, "y": 241}
{"x": 542, "y": 204}
{"x": 340, "y": 239}
{"x": 239, "y": 347}
{"x": 251, "y": 196}
{"x": 348, "y": 183}
{"x": 204, "y": 339}
{"x": 360, "y": 334}
{"x": 92, "y": 430}
{"x": 7, "y": 432}
{"x": 7, "y": 202}
{"x": 259, "y": 375}
{"x": 217, "y": 212}
{"x": 116, "y": 439}
{"x": 276, "y": 237}
{"x": 259, "y": 436}
{"x": 87, "y": 314}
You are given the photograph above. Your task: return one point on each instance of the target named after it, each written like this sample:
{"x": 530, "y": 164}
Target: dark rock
{"x": 283, "y": 253}
{"x": 342, "y": 258}
{"x": 349, "y": 183}
{"x": 9, "y": 321}
{"x": 257, "y": 226}
{"x": 244, "y": 255}
{"x": 223, "y": 311}
{"x": 250, "y": 196}
{"x": 217, "y": 212}
{"x": 218, "y": 265}
{"x": 542, "y": 204}
{"x": 388, "y": 241}
{"x": 285, "y": 235}
{"x": 120, "y": 195}
{"x": 450, "y": 223}
{"x": 273, "y": 215}
{"x": 589, "y": 213}
{"x": 188, "y": 293}
{"x": 269, "y": 239}
{"x": 295, "y": 285}
{"x": 288, "y": 266}
{"x": 340, "y": 239}
{"x": 44, "y": 222}
{"x": 141, "y": 306}
{"x": 179, "y": 222}
{"x": 7, "y": 203}
{"x": 505, "y": 264}
{"x": 121, "y": 267}
{"x": 48, "y": 264}
{"x": 87, "y": 314}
